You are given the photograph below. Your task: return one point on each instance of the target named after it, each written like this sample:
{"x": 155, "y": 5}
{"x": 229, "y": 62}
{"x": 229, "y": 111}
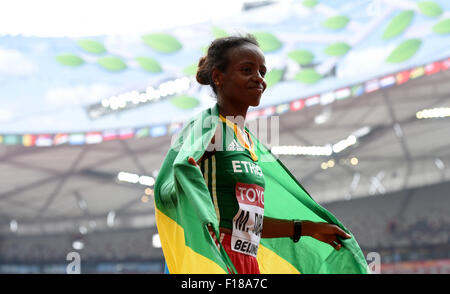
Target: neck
{"x": 233, "y": 112}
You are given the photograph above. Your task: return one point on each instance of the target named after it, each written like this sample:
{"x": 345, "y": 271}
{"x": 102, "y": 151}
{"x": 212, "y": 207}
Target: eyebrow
{"x": 252, "y": 63}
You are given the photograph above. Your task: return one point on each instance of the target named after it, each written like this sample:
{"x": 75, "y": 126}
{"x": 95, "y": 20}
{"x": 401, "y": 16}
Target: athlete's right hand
{"x": 192, "y": 161}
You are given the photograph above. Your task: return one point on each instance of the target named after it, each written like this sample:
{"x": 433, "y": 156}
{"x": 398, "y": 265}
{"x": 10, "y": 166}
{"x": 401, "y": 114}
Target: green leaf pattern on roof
{"x": 398, "y": 24}
{"x": 218, "y": 32}
{"x": 149, "y": 64}
{"x": 336, "y": 22}
{"x": 167, "y": 44}
{"x": 430, "y": 8}
{"x": 91, "y": 46}
{"x": 302, "y": 57}
{"x": 442, "y": 27}
{"x": 404, "y": 51}
{"x": 310, "y": 3}
{"x": 184, "y": 102}
{"x": 162, "y": 43}
{"x": 191, "y": 70}
{"x": 308, "y": 76}
{"x": 267, "y": 41}
{"x": 273, "y": 77}
{"x": 112, "y": 63}
{"x": 337, "y": 49}
{"x": 70, "y": 60}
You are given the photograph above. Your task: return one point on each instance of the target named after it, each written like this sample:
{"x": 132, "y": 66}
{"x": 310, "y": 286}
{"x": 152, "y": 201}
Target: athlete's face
{"x": 243, "y": 80}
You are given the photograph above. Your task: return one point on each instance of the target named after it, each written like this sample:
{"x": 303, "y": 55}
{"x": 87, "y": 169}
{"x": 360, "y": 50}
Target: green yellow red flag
{"x": 184, "y": 211}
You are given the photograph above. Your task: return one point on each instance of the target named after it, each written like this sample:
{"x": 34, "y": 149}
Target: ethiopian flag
{"x": 184, "y": 210}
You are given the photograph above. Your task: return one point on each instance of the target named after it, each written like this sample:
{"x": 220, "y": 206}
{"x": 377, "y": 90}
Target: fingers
{"x": 333, "y": 241}
{"x": 336, "y": 244}
{"x": 344, "y": 235}
{"x": 192, "y": 161}
{"x": 338, "y": 247}
{"x": 338, "y": 231}
{"x": 330, "y": 234}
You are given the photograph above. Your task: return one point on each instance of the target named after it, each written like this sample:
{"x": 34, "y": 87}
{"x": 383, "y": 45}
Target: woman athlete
{"x": 234, "y": 68}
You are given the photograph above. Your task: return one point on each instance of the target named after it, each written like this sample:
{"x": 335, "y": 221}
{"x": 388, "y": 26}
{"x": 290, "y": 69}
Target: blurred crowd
{"x": 97, "y": 246}
{"x": 410, "y": 218}
{"x": 408, "y": 221}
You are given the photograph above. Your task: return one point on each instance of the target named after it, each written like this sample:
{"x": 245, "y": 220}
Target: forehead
{"x": 246, "y": 53}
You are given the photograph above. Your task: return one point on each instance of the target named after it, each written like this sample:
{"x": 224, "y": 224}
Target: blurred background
{"x": 92, "y": 92}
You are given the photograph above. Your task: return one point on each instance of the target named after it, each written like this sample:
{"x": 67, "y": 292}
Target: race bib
{"x": 248, "y": 222}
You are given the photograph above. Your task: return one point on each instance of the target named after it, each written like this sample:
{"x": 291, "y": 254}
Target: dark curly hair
{"x": 217, "y": 57}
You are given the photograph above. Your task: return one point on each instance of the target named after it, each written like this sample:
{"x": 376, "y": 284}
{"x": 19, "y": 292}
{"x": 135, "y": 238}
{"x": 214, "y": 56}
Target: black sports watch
{"x": 297, "y": 231}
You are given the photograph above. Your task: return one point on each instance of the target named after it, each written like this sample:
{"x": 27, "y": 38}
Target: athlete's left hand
{"x": 324, "y": 232}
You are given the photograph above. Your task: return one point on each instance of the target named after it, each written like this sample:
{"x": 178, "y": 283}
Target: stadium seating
{"x": 401, "y": 224}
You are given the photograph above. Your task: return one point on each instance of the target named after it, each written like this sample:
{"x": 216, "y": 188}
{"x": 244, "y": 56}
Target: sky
{"x": 76, "y": 18}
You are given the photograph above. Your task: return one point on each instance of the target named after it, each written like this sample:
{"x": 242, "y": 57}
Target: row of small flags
{"x": 47, "y": 140}
{"x": 355, "y": 90}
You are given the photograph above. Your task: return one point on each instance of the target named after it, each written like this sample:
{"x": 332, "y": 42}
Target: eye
{"x": 262, "y": 73}
{"x": 247, "y": 69}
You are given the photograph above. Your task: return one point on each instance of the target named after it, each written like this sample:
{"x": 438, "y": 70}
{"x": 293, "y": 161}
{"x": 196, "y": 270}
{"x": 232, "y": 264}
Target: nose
{"x": 258, "y": 78}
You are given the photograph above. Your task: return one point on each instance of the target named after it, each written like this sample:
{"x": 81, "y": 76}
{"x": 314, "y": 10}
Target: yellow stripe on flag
{"x": 179, "y": 257}
{"x": 214, "y": 190}
{"x": 271, "y": 263}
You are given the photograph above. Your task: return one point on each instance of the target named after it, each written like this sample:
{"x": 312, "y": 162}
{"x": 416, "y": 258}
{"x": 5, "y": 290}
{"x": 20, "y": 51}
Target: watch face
{"x": 297, "y": 231}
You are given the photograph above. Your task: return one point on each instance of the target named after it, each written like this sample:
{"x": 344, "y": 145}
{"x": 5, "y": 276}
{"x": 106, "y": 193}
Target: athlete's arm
{"x": 327, "y": 233}
{"x": 277, "y": 228}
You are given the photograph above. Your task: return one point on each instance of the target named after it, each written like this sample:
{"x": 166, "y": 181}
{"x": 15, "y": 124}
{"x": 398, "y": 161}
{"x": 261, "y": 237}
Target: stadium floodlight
{"x": 344, "y": 144}
{"x": 128, "y": 177}
{"x": 134, "y": 98}
{"x": 146, "y": 181}
{"x": 433, "y": 113}
{"x": 361, "y": 132}
{"x": 303, "y": 150}
{"x": 133, "y": 178}
{"x": 325, "y": 150}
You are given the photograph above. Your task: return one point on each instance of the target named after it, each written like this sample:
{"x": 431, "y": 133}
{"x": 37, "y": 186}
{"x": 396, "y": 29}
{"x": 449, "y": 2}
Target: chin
{"x": 256, "y": 102}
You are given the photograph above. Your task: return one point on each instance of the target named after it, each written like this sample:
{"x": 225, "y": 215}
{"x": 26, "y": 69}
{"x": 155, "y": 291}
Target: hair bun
{"x": 203, "y": 74}
{"x": 202, "y": 61}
